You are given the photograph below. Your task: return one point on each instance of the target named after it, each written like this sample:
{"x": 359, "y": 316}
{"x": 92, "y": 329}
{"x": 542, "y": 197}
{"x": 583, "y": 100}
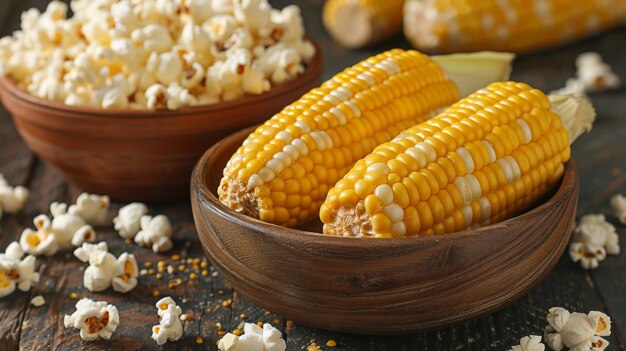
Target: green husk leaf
{"x": 576, "y": 112}
{"x": 473, "y": 71}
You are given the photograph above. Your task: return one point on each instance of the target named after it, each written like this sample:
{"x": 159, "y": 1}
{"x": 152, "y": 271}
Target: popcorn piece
{"x": 69, "y": 229}
{"x": 95, "y": 319}
{"x": 115, "y": 99}
{"x": 125, "y": 277}
{"x": 166, "y": 67}
{"x": 15, "y": 271}
{"x": 594, "y": 74}
{"x": 155, "y": 232}
{"x": 128, "y": 221}
{"x": 577, "y": 331}
{"x": 92, "y": 208}
{"x": 86, "y": 250}
{"x": 589, "y": 256}
{"x": 170, "y": 327}
{"x": 178, "y": 97}
{"x": 529, "y": 343}
{"x": 38, "y": 301}
{"x": 12, "y": 200}
{"x": 254, "y": 338}
{"x": 102, "y": 268}
{"x": 255, "y": 14}
{"x": 618, "y": 202}
{"x": 42, "y": 241}
{"x": 228, "y": 343}
{"x": 596, "y": 231}
{"x": 156, "y": 97}
{"x": 195, "y": 38}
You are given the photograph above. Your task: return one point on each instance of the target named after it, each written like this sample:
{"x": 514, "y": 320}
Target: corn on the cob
{"x": 482, "y": 160}
{"x": 358, "y": 23}
{"x": 284, "y": 169}
{"x": 509, "y": 25}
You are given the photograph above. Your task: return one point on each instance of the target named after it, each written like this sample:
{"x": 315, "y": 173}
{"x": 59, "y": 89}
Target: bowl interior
{"x": 214, "y": 161}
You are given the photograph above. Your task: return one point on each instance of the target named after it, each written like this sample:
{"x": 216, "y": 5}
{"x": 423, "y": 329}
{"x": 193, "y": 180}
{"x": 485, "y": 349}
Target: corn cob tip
{"x": 355, "y": 24}
{"x": 576, "y": 113}
{"x": 474, "y": 71}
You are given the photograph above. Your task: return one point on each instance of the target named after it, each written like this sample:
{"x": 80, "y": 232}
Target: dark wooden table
{"x": 601, "y": 159}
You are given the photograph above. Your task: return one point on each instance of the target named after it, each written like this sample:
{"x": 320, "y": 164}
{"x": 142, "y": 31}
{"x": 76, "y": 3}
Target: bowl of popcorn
{"x": 123, "y": 96}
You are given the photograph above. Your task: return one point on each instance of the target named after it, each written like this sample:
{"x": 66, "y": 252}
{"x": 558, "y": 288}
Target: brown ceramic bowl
{"x": 139, "y": 155}
{"x": 379, "y": 285}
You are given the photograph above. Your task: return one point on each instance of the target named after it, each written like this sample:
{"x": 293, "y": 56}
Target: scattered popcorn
{"x": 170, "y": 327}
{"x": 529, "y": 343}
{"x": 12, "y": 200}
{"x": 592, "y": 75}
{"x": 102, "y": 268}
{"x": 593, "y": 238}
{"x": 105, "y": 270}
{"x": 618, "y": 202}
{"x": 92, "y": 208}
{"x": 38, "y": 301}
{"x": 15, "y": 271}
{"x": 128, "y": 221}
{"x": 67, "y": 229}
{"x": 589, "y": 256}
{"x": 40, "y": 242}
{"x": 155, "y": 233}
{"x": 87, "y": 249}
{"x": 125, "y": 277}
{"x": 577, "y": 331}
{"x": 254, "y": 338}
{"x": 128, "y": 54}
{"x": 95, "y": 319}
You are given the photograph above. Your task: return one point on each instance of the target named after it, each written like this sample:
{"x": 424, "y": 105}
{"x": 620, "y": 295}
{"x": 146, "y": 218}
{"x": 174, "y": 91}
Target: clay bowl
{"x": 139, "y": 155}
{"x": 379, "y": 285}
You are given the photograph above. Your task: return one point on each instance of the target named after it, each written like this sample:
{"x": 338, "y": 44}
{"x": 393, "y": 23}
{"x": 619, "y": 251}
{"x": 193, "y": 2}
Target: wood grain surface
{"x": 600, "y": 156}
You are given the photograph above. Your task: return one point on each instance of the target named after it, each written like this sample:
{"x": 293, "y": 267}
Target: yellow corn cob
{"x": 508, "y": 25}
{"x": 358, "y": 23}
{"x": 283, "y": 170}
{"x": 482, "y": 160}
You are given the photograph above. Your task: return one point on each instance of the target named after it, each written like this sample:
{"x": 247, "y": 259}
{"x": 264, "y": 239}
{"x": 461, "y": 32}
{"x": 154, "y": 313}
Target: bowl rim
{"x": 201, "y": 189}
{"x": 312, "y": 71}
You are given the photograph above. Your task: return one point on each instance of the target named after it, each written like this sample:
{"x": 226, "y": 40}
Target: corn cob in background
{"x": 284, "y": 169}
{"x": 484, "y": 159}
{"x": 506, "y": 25}
{"x": 359, "y": 23}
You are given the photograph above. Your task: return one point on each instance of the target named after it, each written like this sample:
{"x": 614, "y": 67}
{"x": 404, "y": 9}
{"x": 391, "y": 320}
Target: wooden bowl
{"x": 376, "y": 286}
{"x": 139, "y": 155}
